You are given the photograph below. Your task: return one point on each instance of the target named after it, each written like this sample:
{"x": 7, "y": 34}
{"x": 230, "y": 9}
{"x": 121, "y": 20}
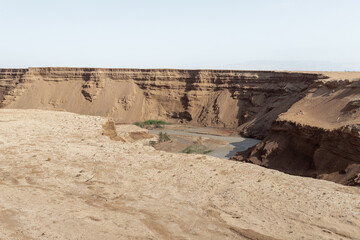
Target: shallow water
{"x": 235, "y": 143}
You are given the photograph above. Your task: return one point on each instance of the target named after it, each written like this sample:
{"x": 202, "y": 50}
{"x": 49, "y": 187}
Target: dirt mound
{"x": 132, "y": 133}
{"x": 110, "y": 131}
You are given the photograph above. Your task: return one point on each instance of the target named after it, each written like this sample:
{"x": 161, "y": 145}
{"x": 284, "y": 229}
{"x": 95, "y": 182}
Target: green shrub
{"x": 163, "y": 137}
{"x": 196, "y": 148}
{"x": 150, "y": 124}
{"x": 153, "y": 122}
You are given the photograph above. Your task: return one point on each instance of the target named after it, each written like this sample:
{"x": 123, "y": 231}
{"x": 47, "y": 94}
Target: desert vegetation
{"x": 151, "y": 124}
{"x": 198, "y": 147}
{"x": 163, "y": 137}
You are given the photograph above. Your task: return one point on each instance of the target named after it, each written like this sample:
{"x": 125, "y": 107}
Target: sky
{"x": 191, "y": 34}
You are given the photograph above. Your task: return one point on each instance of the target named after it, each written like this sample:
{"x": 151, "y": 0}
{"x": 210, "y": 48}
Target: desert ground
{"x": 67, "y": 176}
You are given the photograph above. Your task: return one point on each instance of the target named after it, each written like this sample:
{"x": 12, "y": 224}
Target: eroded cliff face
{"x": 309, "y": 121}
{"x": 247, "y": 100}
{"x": 10, "y": 79}
{"x": 319, "y": 136}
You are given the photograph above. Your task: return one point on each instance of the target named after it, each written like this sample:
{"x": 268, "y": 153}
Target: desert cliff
{"x": 247, "y": 100}
{"x": 309, "y": 121}
{"x": 318, "y": 136}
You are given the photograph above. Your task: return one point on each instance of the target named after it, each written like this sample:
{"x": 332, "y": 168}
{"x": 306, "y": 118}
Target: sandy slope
{"x": 333, "y": 105}
{"x": 60, "y": 178}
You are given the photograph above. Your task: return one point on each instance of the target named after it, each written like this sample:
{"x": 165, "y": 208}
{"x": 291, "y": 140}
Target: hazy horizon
{"x": 289, "y": 35}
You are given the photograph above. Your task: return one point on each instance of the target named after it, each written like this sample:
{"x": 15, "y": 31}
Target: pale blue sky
{"x": 249, "y": 34}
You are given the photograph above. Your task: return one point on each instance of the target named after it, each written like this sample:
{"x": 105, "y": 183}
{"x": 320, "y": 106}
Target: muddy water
{"x": 229, "y": 146}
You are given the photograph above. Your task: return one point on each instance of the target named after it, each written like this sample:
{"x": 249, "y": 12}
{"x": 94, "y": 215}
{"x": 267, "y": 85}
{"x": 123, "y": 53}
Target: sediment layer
{"x": 319, "y": 136}
{"x": 247, "y": 100}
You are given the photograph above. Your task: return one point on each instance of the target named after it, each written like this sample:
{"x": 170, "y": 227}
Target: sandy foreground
{"x": 61, "y": 178}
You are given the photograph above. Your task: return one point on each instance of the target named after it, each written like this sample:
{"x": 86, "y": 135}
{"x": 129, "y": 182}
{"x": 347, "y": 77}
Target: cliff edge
{"x": 246, "y": 100}
{"x": 318, "y": 136}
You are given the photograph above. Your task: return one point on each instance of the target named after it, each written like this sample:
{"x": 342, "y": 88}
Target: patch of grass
{"x": 152, "y": 143}
{"x": 151, "y": 124}
{"x": 197, "y": 148}
{"x": 163, "y": 137}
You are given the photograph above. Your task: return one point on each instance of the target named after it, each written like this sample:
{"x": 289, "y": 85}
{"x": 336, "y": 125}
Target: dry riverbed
{"x": 221, "y": 143}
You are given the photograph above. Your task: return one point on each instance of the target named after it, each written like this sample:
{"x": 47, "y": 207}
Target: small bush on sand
{"x": 163, "y": 137}
{"x": 197, "y": 147}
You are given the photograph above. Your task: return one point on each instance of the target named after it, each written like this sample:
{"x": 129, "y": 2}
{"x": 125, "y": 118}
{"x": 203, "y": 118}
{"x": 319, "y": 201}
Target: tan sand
{"x": 61, "y": 177}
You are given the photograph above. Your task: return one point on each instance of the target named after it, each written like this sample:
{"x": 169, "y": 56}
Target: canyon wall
{"x": 246, "y": 100}
{"x": 309, "y": 122}
{"x": 318, "y": 136}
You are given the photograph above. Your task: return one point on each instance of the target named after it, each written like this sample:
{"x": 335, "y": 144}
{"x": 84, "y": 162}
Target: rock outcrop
{"x": 10, "y": 81}
{"x": 319, "y": 136}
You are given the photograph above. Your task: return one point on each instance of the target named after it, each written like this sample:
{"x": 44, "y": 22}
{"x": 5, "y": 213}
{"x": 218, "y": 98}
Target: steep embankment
{"x": 318, "y": 136}
{"x": 9, "y": 81}
{"x": 247, "y": 100}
